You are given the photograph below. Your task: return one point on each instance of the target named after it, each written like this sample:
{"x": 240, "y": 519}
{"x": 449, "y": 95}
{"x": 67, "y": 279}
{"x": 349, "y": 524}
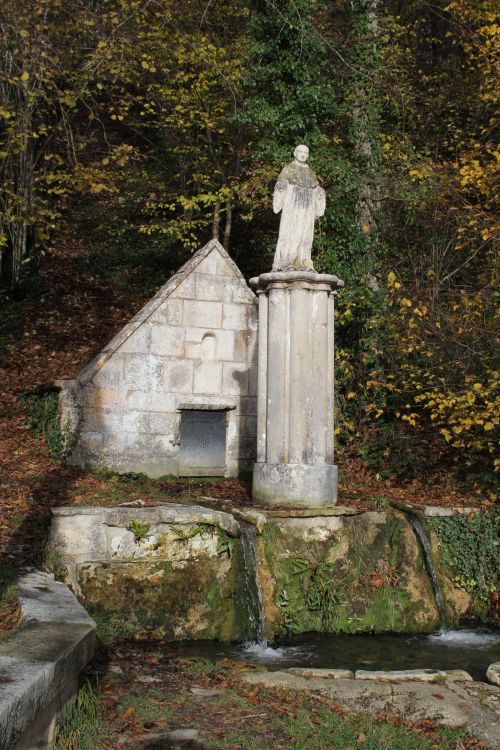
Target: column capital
{"x": 306, "y": 279}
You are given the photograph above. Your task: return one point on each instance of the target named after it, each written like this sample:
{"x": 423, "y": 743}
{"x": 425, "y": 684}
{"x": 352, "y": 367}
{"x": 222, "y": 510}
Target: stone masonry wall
{"x": 195, "y": 349}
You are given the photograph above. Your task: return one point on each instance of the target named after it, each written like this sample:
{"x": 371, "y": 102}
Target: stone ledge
{"x": 40, "y": 663}
{"x": 413, "y": 675}
{"x": 322, "y": 674}
{"x": 121, "y": 515}
{"x": 397, "y": 675}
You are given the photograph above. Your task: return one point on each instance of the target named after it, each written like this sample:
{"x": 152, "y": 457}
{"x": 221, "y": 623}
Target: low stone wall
{"x": 183, "y": 572}
{"x": 184, "y": 578}
{"x": 40, "y": 663}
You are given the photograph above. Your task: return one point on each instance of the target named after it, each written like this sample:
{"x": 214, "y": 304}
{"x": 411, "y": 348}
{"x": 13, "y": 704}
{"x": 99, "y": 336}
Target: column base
{"x": 295, "y": 485}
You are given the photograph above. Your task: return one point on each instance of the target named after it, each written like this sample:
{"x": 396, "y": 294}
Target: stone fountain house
{"x": 175, "y": 391}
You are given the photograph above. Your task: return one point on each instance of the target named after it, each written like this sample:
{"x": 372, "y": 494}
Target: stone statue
{"x": 301, "y": 200}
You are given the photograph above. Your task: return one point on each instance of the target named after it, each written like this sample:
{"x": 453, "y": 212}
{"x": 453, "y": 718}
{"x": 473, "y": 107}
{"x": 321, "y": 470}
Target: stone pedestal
{"x": 295, "y": 390}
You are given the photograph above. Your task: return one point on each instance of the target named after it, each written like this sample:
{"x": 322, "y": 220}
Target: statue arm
{"x": 279, "y": 194}
{"x": 320, "y": 201}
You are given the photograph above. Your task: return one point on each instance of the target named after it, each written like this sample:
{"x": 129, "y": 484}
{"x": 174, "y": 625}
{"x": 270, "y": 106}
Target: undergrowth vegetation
{"x": 470, "y": 547}
{"x": 42, "y": 411}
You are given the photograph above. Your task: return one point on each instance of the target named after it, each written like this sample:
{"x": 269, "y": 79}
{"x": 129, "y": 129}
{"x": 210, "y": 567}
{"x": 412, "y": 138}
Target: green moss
{"x": 42, "y": 415}
{"x": 365, "y": 577}
{"x": 198, "y": 600}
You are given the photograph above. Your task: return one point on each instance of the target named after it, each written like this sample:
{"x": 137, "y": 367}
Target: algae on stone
{"x": 196, "y": 598}
{"x": 364, "y": 574}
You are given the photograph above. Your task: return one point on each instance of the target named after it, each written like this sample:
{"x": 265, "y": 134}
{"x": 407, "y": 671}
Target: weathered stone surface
{"x": 43, "y": 599}
{"x": 473, "y": 705}
{"x": 295, "y": 461}
{"x": 40, "y": 663}
{"x": 413, "y": 675}
{"x": 178, "y": 579}
{"x": 493, "y": 673}
{"x": 295, "y": 485}
{"x": 361, "y": 573}
{"x": 195, "y": 341}
{"x": 321, "y": 674}
{"x": 337, "y": 571}
{"x": 192, "y": 598}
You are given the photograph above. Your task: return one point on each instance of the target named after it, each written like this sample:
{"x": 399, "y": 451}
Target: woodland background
{"x": 132, "y": 131}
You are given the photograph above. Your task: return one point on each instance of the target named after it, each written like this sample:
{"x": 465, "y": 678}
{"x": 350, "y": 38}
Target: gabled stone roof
{"x": 90, "y": 369}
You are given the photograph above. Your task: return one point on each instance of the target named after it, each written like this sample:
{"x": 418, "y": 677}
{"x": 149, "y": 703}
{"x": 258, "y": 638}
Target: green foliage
{"x": 139, "y": 530}
{"x": 470, "y": 547}
{"x": 53, "y": 561}
{"x": 82, "y": 726}
{"x": 42, "y": 412}
{"x": 225, "y": 542}
{"x": 321, "y": 591}
{"x": 296, "y": 731}
{"x": 201, "y": 666}
{"x": 111, "y": 628}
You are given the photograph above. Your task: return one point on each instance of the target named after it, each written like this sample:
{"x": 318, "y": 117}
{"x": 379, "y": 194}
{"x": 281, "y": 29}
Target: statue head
{"x": 301, "y": 153}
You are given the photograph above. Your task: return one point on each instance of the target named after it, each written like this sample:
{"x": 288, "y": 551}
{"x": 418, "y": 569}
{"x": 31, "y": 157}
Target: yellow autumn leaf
{"x": 25, "y": 76}
{"x": 351, "y": 394}
{"x": 391, "y": 278}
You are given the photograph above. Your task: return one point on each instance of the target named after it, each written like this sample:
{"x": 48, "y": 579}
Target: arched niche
{"x": 208, "y": 347}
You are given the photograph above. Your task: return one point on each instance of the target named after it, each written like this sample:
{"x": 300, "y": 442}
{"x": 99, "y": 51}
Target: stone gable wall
{"x": 196, "y": 350}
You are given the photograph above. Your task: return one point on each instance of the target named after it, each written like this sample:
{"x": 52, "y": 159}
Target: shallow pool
{"x": 472, "y": 650}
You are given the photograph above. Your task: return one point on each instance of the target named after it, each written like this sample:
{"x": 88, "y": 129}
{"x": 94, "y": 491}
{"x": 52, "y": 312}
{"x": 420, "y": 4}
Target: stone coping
{"x": 40, "y": 663}
{"x": 90, "y": 369}
{"x": 121, "y": 515}
{"x": 437, "y": 511}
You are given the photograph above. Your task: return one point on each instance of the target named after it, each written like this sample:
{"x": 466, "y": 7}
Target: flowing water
{"x": 421, "y": 534}
{"x": 252, "y": 583}
{"x": 472, "y": 650}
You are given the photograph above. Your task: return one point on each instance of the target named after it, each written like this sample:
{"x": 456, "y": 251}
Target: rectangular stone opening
{"x": 203, "y": 443}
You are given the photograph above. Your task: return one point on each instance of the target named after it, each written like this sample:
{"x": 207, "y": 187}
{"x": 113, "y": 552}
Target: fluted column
{"x": 295, "y": 390}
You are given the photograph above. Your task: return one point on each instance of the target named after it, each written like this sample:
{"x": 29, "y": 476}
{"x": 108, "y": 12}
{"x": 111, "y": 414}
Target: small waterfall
{"x": 421, "y": 534}
{"x": 252, "y": 582}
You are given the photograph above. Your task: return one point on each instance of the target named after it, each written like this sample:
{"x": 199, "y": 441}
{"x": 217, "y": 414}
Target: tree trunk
{"x": 366, "y": 116}
{"x": 17, "y": 179}
{"x": 227, "y": 228}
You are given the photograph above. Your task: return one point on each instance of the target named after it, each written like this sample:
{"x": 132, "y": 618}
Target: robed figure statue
{"x": 301, "y": 200}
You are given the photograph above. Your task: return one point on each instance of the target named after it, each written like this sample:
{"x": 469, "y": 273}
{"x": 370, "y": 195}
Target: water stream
{"x": 252, "y": 584}
{"x": 421, "y": 534}
{"x": 472, "y": 650}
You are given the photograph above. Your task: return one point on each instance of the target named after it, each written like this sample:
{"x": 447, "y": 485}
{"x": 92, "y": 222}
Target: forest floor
{"x": 66, "y": 316}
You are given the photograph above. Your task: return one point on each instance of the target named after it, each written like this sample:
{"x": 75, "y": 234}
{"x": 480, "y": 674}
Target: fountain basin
{"x": 468, "y": 650}
{"x": 186, "y": 574}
